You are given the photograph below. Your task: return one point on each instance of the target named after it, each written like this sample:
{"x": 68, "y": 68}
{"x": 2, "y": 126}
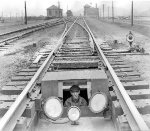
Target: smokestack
{"x": 25, "y": 14}
{"x": 96, "y": 5}
{"x": 58, "y": 4}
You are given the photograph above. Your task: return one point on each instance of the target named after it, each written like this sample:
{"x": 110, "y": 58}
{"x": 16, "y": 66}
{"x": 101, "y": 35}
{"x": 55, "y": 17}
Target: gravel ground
{"x": 19, "y": 56}
{"x": 109, "y": 31}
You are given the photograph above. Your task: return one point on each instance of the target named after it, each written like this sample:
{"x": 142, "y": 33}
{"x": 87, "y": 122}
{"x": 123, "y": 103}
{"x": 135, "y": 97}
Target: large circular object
{"x": 53, "y": 108}
{"x": 74, "y": 113}
{"x": 130, "y": 38}
{"x": 98, "y": 102}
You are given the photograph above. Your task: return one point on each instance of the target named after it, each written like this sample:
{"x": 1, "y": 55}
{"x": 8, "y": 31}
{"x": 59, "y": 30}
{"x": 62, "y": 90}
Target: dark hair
{"x": 75, "y": 88}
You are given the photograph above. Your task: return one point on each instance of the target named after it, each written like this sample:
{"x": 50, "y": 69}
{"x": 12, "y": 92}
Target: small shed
{"x": 54, "y": 12}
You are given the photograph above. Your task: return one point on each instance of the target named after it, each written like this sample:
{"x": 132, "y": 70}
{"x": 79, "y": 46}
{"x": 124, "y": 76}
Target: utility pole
{"x": 22, "y": 15}
{"x": 100, "y": 13}
{"x": 25, "y": 14}
{"x": 103, "y": 11}
{"x": 10, "y": 15}
{"x": 16, "y": 16}
{"x": 2, "y": 18}
{"x": 2, "y": 15}
{"x": 112, "y": 11}
{"x": 108, "y": 12}
{"x": 132, "y": 13}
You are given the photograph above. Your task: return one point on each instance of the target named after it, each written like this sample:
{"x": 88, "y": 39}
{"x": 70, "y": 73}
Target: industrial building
{"x": 91, "y": 11}
{"x": 54, "y": 12}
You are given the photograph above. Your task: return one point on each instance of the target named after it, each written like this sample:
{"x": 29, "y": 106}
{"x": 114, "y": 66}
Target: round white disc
{"x": 74, "y": 113}
{"x": 53, "y": 108}
{"x": 98, "y": 103}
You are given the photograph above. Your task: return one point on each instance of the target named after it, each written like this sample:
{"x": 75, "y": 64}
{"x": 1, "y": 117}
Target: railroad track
{"x": 7, "y": 38}
{"x": 77, "y": 51}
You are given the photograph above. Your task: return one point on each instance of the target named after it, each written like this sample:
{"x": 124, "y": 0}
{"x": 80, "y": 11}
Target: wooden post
{"x": 108, "y": 12}
{"x": 112, "y": 12}
{"x": 132, "y": 14}
{"x": 25, "y": 14}
{"x": 103, "y": 11}
{"x": 100, "y": 13}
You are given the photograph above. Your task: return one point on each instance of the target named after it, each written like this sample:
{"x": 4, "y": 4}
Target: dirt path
{"x": 108, "y": 31}
{"x": 19, "y": 56}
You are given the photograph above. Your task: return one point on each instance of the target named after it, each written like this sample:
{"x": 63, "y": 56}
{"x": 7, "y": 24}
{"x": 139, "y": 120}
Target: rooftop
{"x": 53, "y": 7}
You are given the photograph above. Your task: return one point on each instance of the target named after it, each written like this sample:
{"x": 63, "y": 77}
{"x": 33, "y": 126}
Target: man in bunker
{"x": 75, "y": 99}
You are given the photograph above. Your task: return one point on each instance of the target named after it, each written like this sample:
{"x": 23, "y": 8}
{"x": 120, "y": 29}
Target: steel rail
{"x": 133, "y": 116}
{"x": 3, "y": 42}
{"x": 30, "y": 27}
{"x": 90, "y": 38}
{"x": 10, "y": 118}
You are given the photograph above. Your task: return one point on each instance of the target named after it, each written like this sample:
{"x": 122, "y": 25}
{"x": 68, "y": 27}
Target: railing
{"x": 134, "y": 118}
{"x": 9, "y": 120}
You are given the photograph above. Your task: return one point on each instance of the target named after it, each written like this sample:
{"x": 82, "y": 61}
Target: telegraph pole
{"x": 112, "y": 11}
{"x": 103, "y": 11}
{"x": 132, "y": 14}
{"x": 2, "y": 15}
{"x": 100, "y": 13}
{"x": 108, "y": 12}
{"x": 10, "y": 15}
{"x": 16, "y": 16}
{"x": 25, "y": 13}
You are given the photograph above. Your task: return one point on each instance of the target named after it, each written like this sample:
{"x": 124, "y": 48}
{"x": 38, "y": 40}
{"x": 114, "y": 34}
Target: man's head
{"x": 75, "y": 91}
{"x": 130, "y": 32}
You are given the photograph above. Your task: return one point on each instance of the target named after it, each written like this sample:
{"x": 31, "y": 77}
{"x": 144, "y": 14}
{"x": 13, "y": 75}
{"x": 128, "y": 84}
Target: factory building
{"x": 69, "y": 13}
{"x": 91, "y": 11}
{"x": 54, "y": 12}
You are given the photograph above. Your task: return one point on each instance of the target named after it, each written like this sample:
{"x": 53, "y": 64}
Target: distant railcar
{"x": 69, "y": 13}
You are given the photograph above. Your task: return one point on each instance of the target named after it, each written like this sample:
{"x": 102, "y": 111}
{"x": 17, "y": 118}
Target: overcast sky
{"x": 38, "y": 7}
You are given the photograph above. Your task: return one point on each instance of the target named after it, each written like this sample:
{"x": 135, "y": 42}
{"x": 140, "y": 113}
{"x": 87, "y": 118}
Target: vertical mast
{"x": 132, "y": 14}
{"x": 112, "y": 11}
{"x": 25, "y": 13}
{"x": 103, "y": 11}
{"x": 108, "y": 12}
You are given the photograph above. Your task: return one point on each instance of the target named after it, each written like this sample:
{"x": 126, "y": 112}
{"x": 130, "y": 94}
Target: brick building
{"x": 91, "y": 11}
{"x": 54, "y": 12}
